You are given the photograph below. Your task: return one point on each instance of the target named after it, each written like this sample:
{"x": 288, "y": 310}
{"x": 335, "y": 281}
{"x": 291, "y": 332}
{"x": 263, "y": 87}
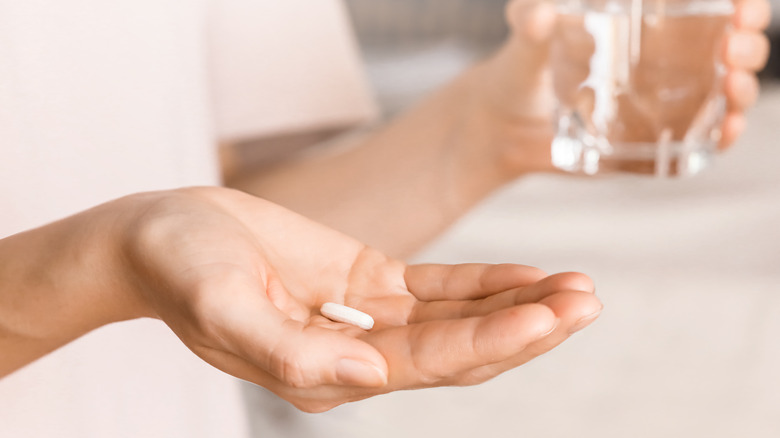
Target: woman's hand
{"x": 513, "y": 97}
{"x": 241, "y": 282}
{"x": 745, "y": 53}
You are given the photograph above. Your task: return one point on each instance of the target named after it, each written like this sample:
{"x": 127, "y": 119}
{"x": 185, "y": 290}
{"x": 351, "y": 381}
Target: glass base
{"x": 590, "y": 157}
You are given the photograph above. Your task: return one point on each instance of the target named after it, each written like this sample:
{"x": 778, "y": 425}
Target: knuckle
{"x": 292, "y": 374}
{"x": 288, "y": 365}
{"x": 428, "y": 371}
{"x": 426, "y": 376}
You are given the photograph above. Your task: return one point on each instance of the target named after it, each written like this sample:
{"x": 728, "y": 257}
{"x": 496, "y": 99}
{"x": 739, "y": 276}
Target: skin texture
{"x": 488, "y": 127}
{"x": 240, "y": 281}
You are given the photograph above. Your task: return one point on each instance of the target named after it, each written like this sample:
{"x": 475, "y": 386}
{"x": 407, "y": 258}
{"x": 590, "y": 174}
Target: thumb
{"x": 521, "y": 66}
{"x": 310, "y": 356}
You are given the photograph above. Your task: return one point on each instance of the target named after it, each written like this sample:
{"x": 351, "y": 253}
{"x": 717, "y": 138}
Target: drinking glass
{"x": 639, "y": 85}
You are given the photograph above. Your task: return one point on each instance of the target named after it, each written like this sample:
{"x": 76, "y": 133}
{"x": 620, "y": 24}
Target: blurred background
{"x": 413, "y": 46}
{"x": 688, "y": 269}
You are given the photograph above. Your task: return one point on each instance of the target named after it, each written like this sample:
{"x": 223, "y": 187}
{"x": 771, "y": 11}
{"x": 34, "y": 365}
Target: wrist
{"x": 66, "y": 278}
{"x": 59, "y": 282}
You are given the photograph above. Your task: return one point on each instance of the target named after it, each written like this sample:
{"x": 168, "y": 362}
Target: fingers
{"x": 733, "y": 126}
{"x": 428, "y": 311}
{"x": 466, "y": 281}
{"x": 741, "y": 89}
{"x": 432, "y": 353}
{"x": 746, "y": 50}
{"x": 574, "y": 310}
{"x": 752, "y": 15}
{"x": 459, "y": 352}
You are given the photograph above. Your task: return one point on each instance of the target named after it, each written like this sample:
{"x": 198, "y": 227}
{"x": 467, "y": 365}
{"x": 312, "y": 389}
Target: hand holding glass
{"x": 639, "y": 85}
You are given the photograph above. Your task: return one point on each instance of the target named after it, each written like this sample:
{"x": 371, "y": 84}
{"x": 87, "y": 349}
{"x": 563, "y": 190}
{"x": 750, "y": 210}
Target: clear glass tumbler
{"x": 639, "y": 85}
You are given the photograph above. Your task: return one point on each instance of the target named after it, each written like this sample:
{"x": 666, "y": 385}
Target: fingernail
{"x": 358, "y": 373}
{"x": 584, "y": 322}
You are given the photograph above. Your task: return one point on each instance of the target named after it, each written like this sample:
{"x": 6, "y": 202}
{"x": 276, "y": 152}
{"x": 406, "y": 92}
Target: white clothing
{"x": 99, "y": 99}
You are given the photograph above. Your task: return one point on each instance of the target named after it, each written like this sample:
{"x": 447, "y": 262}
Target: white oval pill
{"x": 347, "y": 315}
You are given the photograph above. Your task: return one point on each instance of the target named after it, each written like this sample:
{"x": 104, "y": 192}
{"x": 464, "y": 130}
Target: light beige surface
{"x": 689, "y": 271}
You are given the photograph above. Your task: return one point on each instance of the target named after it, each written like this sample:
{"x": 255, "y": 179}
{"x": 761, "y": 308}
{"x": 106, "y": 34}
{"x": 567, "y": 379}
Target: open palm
{"x": 241, "y": 282}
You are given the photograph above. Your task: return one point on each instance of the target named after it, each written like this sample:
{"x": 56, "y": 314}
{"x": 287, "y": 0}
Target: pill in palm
{"x": 347, "y": 315}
